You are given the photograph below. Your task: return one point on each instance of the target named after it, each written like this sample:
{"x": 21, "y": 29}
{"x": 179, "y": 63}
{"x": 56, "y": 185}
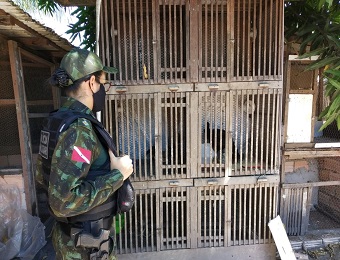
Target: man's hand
{"x": 123, "y": 164}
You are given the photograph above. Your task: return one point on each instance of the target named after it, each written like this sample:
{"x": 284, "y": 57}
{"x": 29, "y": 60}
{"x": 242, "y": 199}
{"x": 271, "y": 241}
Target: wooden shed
{"x": 29, "y": 52}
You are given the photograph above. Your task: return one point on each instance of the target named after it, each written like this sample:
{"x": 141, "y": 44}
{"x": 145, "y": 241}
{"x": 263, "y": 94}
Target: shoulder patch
{"x": 84, "y": 121}
{"x": 80, "y": 154}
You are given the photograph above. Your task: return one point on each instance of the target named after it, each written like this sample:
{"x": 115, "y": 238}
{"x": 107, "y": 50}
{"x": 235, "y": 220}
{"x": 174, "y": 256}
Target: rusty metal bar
{"x": 243, "y": 39}
{"x": 248, "y": 67}
{"x": 124, "y": 48}
{"x": 142, "y": 68}
{"x": 223, "y": 43}
{"x": 248, "y": 129}
{"x": 114, "y": 36}
{"x": 278, "y": 38}
{"x": 156, "y": 40}
{"x": 241, "y": 132}
{"x": 176, "y": 133}
{"x": 116, "y": 43}
{"x": 268, "y": 130}
{"x": 144, "y": 134}
{"x": 212, "y": 37}
{"x": 171, "y": 133}
{"x": 262, "y": 130}
{"x": 250, "y": 216}
{"x": 158, "y": 136}
{"x": 265, "y": 43}
{"x": 243, "y": 213}
{"x": 274, "y": 127}
{"x": 164, "y": 47}
{"x": 138, "y": 126}
{"x": 213, "y": 122}
{"x": 151, "y": 146}
{"x": 167, "y": 221}
{"x": 265, "y": 209}
{"x": 204, "y": 216}
{"x": 104, "y": 39}
{"x": 148, "y": 236}
{"x": 255, "y": 36}
{"x": 251, "y": 156}
{"x": 237, "y": 40}
{"x": 259, "y": 46}
{"x": 277, "y": 143}
{"x": 270, "y": 40}
{"x": 259, "y": 213}
{"x": 134, "y": 41}
{"x": 173, "y": 200}
{"x": 130, "y": 41}
{"x": 205, "y": 38}
{"x": 216, "y": 69}
{"x": 199, "y": 216}
{"x": 223, "y": 124}
{"x": 170, "y": 42}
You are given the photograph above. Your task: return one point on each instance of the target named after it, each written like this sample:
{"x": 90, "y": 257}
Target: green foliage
{"x": 315, "y": 24}
{"x": 27, "y": 5}
{"x": 48, "y": 6}
{"x": 84, "y": 28}
{"x": 86, "y": 24}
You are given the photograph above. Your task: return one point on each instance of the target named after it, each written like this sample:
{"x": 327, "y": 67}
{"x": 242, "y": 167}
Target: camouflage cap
{"x": 79, "y": 63}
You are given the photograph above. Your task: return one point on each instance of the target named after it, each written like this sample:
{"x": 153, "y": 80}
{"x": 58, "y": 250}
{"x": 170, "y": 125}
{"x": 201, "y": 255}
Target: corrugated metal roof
{"x": 17, "y": 25}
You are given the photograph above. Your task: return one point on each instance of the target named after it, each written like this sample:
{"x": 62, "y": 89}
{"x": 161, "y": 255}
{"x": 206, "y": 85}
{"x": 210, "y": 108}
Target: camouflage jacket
{"x": 69, "y": 192}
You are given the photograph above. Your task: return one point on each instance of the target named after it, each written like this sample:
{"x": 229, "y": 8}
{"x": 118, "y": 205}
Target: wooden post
{"x": 23, "y": 127}
{"x": 193, "y": 42}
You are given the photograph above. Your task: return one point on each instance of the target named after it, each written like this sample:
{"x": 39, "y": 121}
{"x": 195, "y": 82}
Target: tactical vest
{"x": 58, "y": 121}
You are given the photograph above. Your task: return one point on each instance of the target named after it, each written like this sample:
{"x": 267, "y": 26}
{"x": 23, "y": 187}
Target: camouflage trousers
{"x": 65, "y": 249}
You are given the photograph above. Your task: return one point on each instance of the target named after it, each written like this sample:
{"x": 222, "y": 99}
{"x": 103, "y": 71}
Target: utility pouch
{"x": 99, "y": 246}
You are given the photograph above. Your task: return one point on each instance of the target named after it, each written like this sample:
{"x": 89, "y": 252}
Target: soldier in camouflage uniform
{"x": 78, "y": 151}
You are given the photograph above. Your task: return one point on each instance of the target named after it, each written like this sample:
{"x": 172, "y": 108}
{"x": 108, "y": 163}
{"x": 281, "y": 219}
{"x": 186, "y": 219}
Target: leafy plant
{"x": 315, "y": 24}
{"x": 86, "y": 24}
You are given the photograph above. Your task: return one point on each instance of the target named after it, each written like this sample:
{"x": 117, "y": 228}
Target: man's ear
{"x": 92, "y": 81}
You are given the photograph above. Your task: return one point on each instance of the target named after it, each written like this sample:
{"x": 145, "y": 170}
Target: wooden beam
{"x": 194, "y": 53}
{"x": 7, "y": 102}
{"x": 35, "y": 58}
{"x": 76, "y": 2}
{"x": 312, "y": 153}
{"x": 6, "y": 19}
{"x": 36, "y": 34}
{"x": 23, "y": 127}
{"x": 311, "y": 184}
{"x": 35, "y": 41}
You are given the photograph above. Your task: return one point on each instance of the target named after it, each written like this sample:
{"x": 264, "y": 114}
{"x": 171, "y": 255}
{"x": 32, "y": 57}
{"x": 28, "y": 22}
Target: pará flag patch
{"x": 81, "y": 155}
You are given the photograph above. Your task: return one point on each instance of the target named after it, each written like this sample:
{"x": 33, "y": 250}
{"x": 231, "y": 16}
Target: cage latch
{"x": 263, "y": 85}
{"x": 173, "y": 88}
{"x": 262, "y": 178}
{"x": 173, "y": 183}
{"x": 212, "y": 182}
{"x": 121, "y": 89}
{"x": 213, "y": 87}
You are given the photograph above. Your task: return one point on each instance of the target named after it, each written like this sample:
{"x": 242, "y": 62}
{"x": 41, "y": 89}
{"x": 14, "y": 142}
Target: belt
{"x": 92, "y": 227}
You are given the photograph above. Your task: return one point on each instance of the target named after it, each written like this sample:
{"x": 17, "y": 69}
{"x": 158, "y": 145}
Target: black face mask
{"x": 99, "y": 99}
